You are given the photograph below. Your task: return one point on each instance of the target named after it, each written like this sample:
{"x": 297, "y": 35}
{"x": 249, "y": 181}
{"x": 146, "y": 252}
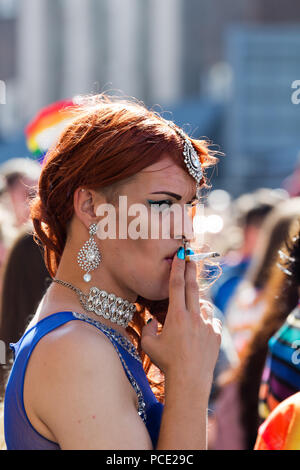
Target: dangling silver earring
{"x": 89, "y": 256}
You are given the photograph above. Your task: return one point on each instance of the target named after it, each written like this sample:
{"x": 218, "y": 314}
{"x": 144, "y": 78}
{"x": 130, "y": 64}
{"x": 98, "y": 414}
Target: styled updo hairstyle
{"x": 109, "y": 140}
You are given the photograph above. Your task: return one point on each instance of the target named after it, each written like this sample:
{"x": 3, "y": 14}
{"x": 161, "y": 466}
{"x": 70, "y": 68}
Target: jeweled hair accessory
{"x": 191, "y": 157}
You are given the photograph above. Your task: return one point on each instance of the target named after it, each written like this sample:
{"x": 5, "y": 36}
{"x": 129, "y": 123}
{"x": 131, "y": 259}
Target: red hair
{"x": 109, "y": 140}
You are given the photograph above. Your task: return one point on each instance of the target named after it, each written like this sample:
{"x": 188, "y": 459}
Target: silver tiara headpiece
{"x": 191, "y": 157}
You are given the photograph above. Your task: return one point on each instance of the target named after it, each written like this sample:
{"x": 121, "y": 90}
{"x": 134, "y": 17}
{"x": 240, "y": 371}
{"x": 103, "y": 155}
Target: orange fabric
{"x": 281, "y": 430}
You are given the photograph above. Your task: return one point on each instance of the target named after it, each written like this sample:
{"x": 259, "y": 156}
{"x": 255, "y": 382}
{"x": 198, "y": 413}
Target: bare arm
{"x": 184, "y": 421}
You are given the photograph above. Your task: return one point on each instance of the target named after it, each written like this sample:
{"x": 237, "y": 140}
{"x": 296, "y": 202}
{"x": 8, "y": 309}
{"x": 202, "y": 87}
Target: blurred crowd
{"x": 23, "y": 275}
{"x": 255, "y": 399}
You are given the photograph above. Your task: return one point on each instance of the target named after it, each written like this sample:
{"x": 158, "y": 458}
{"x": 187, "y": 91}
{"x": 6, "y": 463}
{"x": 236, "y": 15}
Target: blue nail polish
{"x": 189, "y": 251}
{"x": 180, "y": 253}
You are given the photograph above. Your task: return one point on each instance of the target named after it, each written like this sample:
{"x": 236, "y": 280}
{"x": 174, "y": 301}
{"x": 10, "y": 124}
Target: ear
{"x": 85, "y": 203}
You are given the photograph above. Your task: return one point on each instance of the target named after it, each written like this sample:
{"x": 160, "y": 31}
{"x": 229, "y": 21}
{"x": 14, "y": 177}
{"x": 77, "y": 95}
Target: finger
{"x": 191, "y": 288}
{"x": 149, "y": 338}
{"x": 150, "y": 329}
{"x": 176, "y": 284}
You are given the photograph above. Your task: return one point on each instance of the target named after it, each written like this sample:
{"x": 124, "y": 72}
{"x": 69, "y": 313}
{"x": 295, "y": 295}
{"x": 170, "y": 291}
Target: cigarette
{"x": 201, "y": 256}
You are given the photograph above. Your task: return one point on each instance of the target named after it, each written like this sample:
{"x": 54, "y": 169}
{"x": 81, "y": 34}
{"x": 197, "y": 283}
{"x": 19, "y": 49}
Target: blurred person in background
{"x": 24, "y": 284}
{"x": 281, "y": 375}
{"x": 21, "y": 177}
{"x": 18, "y": 275}
{"x": 247, "y": 304}
{"x": 237, "y": 406}
{"x": 251, "y": 210}
{"x": 8, "y": 229}
{"x": 279, "y": 394}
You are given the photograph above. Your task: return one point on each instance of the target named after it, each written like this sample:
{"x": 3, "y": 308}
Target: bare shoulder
{"x": 83, "y": 394}
{"x": 76, "y": 341}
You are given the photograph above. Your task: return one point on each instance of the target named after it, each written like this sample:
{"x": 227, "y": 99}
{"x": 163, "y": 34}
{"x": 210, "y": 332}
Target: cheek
{"x": 149, "y": 271}
{"x": 144, "y": 254}
{"x": 140, "y": 264}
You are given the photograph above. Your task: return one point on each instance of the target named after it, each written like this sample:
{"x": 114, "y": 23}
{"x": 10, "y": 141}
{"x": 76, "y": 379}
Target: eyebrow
{"x": 176, "y": 196}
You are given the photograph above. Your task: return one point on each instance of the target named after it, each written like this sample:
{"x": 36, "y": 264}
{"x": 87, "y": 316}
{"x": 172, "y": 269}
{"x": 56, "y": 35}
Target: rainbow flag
{"x": 47, "y": 125}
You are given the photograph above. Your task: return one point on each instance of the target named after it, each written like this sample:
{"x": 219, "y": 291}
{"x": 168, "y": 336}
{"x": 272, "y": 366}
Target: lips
{"x": 171, "y": 256}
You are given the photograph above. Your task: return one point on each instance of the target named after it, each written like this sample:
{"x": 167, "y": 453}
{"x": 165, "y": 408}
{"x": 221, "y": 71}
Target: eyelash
{"x": 160, "y": 203}
{"x": 169, "y": 202}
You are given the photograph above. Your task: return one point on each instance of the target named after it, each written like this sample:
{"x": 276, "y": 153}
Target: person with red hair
{"x": 85, "y": 370}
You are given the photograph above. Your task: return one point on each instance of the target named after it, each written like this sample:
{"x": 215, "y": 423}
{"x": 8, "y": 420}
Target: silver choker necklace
{"x": 109, "y": 306}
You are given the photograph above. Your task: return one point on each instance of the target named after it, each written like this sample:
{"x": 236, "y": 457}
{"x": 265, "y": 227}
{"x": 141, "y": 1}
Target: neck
{"x": 70, "y": 271}
{"x": 60, "y": 297}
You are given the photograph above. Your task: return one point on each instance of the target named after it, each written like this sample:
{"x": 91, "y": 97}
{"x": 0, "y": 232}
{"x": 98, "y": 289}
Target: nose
{"x": 185, "y": 229}
{"x": 188, "y": 229}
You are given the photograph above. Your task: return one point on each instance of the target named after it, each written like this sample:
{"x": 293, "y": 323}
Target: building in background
{"x": 261, "y": 121}
{"x": 69, "y": 47}
{"x": 8, "y": 64}
{"x": 191, "y": 57}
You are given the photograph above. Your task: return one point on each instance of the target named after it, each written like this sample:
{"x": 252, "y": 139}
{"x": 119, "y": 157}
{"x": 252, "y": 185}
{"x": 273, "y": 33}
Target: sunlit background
{"x": 223, "y": 68}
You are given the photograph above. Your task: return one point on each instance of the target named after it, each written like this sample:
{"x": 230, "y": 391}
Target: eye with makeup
{"x": 165, "y": 204}
{"x": 160, "y": 205}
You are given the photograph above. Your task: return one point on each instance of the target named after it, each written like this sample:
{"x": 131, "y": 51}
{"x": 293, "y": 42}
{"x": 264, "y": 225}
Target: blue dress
{"x": 19, "y": 432}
